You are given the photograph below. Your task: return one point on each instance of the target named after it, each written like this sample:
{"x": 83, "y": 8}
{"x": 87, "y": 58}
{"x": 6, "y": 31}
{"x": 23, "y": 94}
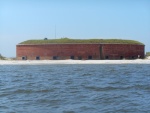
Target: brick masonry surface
{"x": 79, "y": 51}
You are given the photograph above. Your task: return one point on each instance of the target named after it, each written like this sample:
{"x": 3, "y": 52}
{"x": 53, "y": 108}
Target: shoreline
{"x": 42, "y": 62}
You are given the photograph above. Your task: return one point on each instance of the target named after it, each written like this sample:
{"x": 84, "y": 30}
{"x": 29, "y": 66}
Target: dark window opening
{"x": 133, "y": 57}
{"x": 37, "y": 58}
{"x": 71, "y": 57}
{"x": 89, "y": 57}
{"x": 55, "y": 57}
{"x": 121, "y": 57}
{"x": 79, "y": 57}
{"x": 24, "y": 58}
{"x": 106, "y": 57}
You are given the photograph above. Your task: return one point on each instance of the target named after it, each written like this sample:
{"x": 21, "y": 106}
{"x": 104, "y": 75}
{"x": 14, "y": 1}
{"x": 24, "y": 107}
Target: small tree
{"x": 45, "y": 38}
{"x": 1, "y": 57}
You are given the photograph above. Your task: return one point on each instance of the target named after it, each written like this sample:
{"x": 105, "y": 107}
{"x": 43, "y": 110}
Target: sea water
{"x": 75, "y": 88}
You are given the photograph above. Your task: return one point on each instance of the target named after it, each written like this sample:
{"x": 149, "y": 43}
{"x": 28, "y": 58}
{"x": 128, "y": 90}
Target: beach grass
{"x": 81, "y": 41}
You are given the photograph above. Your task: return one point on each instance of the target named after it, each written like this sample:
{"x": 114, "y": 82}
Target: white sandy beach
{"x": 38, "y": 62}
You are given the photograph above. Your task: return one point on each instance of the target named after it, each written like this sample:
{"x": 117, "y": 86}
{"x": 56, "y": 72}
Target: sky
{"x": 22, "y": 20}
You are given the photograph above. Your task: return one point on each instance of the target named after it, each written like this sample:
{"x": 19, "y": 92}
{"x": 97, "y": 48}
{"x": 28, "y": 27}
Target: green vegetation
{"x": 84, "y": 41}
{"x": 2, "y": 58}
{"x": 147, "y": 53}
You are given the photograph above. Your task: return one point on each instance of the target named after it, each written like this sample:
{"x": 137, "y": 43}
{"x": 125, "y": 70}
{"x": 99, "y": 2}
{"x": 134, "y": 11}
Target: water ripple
{"x": 75, "y": 88}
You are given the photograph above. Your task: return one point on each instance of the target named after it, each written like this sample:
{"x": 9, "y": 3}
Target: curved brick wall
{"x": 79, "y": 51}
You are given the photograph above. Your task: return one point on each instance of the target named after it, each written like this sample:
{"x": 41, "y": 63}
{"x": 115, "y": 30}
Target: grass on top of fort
{"x": 83, "y": 41}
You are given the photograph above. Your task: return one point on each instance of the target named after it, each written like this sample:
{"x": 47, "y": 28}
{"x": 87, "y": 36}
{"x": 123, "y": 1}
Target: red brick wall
{"x": 116, "y": 51}
{"x": 64, "y": 51}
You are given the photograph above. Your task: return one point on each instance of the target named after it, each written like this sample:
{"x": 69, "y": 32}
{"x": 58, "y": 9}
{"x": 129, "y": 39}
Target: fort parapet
{"x": 96, "y": 49}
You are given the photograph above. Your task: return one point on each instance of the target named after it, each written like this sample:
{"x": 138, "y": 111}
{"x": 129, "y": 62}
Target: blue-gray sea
{"x": 74, "y": 88}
